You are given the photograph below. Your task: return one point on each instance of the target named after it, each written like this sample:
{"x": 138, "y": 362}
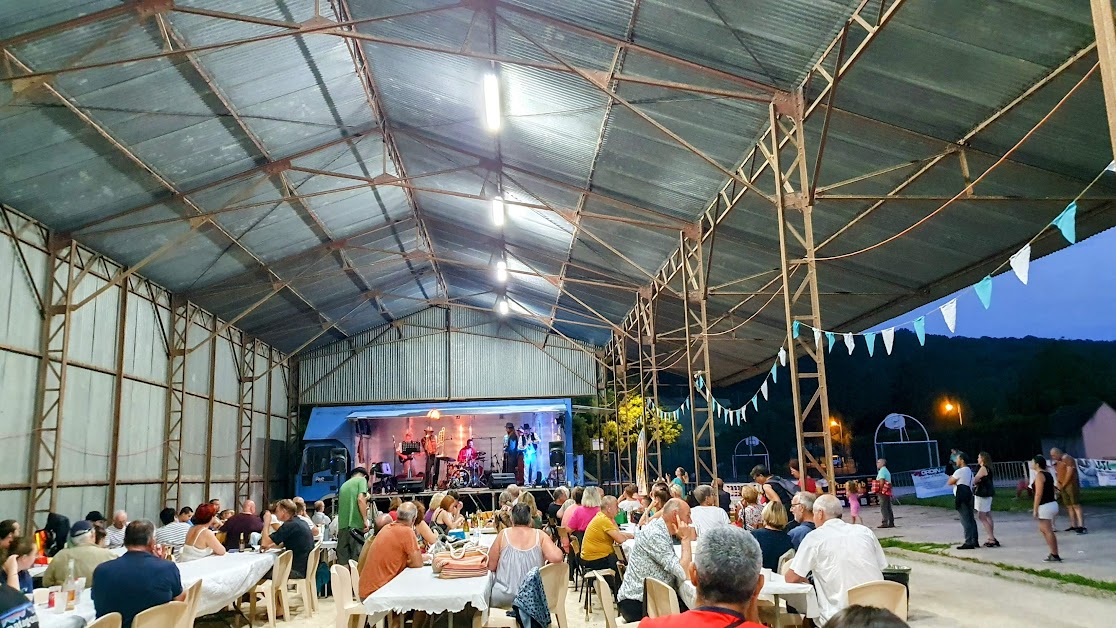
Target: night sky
{"x": 1070, "y": 294}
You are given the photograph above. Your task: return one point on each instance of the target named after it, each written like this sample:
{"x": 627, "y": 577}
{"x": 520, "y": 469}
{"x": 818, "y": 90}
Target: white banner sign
{"x": 931, "y": 482}
{"x": 1096, "y": 472}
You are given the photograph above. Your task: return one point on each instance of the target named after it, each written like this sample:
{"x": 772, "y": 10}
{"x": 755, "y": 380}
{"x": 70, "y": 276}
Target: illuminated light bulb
{"x": 491, "y": 102}
{"x": 502, "y": 307}
{"x": 501, "y": 271}
{"x": 498, "y": 211}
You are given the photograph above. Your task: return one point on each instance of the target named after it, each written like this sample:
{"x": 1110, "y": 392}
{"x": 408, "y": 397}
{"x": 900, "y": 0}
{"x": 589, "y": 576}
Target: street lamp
{"x": 835, "y": 423}
{"x": 949, "y": 407}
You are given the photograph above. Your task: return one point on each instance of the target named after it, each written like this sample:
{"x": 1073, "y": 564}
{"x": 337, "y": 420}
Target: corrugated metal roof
{"x": 355, "y": 249}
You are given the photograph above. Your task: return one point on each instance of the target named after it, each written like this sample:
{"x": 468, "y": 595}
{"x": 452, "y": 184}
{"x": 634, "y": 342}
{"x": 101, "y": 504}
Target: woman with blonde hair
{"x": 750, "y": 515}
{"x": 772, "y": 537}
{"x": 529, "y": 499}
{"x": 590, "y": 506}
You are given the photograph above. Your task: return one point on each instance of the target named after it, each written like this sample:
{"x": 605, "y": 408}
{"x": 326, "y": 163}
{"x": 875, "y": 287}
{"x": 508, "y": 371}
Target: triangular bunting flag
{"x": 984, "y": 291}
{"x": 920, "y": 329}
{"x": 849, "y": 344}
{"x": 744, "y": 413}
{"x": 888, "y": 338}
{"x": 700, "y": 382}
{"x": 775, "y": 373}
{"x": 1111, "y": 167}
{"x": 817, "y": 339}
{"x": 794, "y": 329}
{"x": 870, "y": 342}
{"x": 1021, "y": 263}
{"x": 832, "y": 338}
{"x": 755, "y": 404}
{"x": 949, "y": 313}
{"x": 763, "y": 389}
{"x": 1066, "y": 222}
{"x": 783, "y": 356}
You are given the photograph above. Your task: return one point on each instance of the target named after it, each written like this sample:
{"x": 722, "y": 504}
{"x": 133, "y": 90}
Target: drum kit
{"x": 469, "y": 474}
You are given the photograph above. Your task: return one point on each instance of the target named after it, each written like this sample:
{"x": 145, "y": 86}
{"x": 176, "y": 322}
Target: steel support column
{"x": 247, "y": 395}
{"x": 182, "y": 315}
{"x": 648, "y": 370}
{"x": 118, "y": 391}
{"x": 293, "y": 451}
{"x": 695, "y": 296}
{"x": 800, "y": 298}
{"x": 53, "y": 364}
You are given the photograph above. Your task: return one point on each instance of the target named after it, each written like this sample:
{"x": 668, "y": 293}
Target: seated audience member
{"x": 16, "y": 611}
{"x": 382, "y": 521}
{"x": 536, "y": 517}
{"x": 590, "y": 506}
{"x": 302, "y": 513}
{"x": 571, "y": 506}
{"x": 865, "y": 617}
{"x": 628, "y": 502}
{"x": 393, "y": 506}
{"x": 83, "y": 551}
{"x": 448, "y": 515}
{"x": 201, "y": 540}
{"x": 659, "y": 496}
{"x": 320, "y": 516}
{"x": 839, "y": 555}
{"x": 515, "y": 552}
{"x": 435, "y": 503}
{"x": 216, "y": 503}
{"x": 707, "y": 514}
{"x": 173, "y": 532}
{"x": 116, "y": 530}
{"x": 392, "y": 550}
{"x": 293, "y": 535}
{"x": 238, "y": 528}
{"x": 773, "y": 540}
{"x": 724, "y": 500}
{"x": 596, "y": 546}
{"x": 9, "y": 531}
{"x": 423, "y": 533}
{"x": 139, "y": 579}
{"x": 802, "y": 509}
{"x": 653, "y": 556}
{"x": 554, "y": 510}
{"x": 21, "y": 555}
{"x": 95, "y": 516}
{"x": 751, "y": 513}
{"x": 224, "y": 516}
{"x": 727, "y": 575}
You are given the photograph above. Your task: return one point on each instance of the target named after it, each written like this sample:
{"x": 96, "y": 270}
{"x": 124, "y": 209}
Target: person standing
{"x": 430, "y": 448}
{"x": 512, "y": 453}
{"x": 680, "y": 479}
{"x": 882, "y": 488}
{"x": 962, "y": 483}
{"x": 352, "y": 515}
{"x": 407, "y": 460}
{"x": 1067, "y": 483}
{"x": 529, "y": 448}
{"x": 983, "y": 492}
{"x": 724, "y": 500}
{"x": 1045, "y": 507}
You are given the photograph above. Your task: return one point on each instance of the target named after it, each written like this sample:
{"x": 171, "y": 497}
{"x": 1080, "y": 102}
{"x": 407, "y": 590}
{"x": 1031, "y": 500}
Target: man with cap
{"x": 83, "y": 551}
{"x": 511, "y": 453}
{"x": 430, "y": 448}
{"x": 529, "y": 446}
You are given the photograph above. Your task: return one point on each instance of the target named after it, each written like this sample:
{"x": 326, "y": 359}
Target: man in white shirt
{"x": 840, "y": 556}
{"x": 962, "y": 483}
{"x": 116, "y": 530}
{"x": 707, "y": 514}
{"x": 173, "y": 534}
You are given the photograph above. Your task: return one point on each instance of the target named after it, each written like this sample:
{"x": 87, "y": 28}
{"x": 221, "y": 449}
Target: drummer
{"x": 467, "y": 454}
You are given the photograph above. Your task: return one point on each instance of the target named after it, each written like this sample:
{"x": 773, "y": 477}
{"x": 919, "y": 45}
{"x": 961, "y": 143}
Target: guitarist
{"x": 406, "y": 459}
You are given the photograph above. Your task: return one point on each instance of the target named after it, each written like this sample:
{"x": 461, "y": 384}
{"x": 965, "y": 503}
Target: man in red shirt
{"x": 726, "y": 572}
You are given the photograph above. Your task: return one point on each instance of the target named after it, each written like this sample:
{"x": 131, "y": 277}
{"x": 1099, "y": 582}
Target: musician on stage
{"x": 513, "y": 461}
{"x": 406, "y": 459}
{"x": 430, "y": 448}
{"x": 468, "y": 453}
{"x": 528, "y": 447}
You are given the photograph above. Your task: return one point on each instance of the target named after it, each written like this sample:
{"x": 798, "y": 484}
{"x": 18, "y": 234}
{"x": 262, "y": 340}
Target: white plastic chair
{"x": 274, "y": 591}
{"x": 193, "y": 597}
{"x": 161, "y": 616}
{"x": 112, "y": 620}
{"x": 556, "y": 578}
{"x": 609, "y": 606}
{"x": 784, "y": 559}
{"x": 307, "y": 586}
{"x": 354, "y": 571}
{"x": 881, "y": 594}
{"x": 344, "y": 599}
{"x": 660, "y": 597}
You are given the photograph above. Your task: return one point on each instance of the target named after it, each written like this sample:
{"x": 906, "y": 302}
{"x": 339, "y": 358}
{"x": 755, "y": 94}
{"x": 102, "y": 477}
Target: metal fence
{"x": 1003, "y": 474}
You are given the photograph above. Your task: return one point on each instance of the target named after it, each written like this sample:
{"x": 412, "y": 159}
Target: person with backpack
{"x": 962, "y": 483}
{"x": 773, "y": 487}
{"x": 983, "y": 491}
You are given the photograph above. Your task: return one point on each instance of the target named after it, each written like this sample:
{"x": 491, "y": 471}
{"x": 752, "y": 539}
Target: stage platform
{"x": 476, "y": 499}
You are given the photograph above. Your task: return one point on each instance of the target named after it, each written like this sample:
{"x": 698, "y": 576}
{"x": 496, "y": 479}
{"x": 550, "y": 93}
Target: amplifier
{"x": 409, "y": 486}
{"x": 502, "y": 480}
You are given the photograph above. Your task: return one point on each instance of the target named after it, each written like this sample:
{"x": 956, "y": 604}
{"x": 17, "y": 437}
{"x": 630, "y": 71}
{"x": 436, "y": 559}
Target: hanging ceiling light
{"x": 491, "y": 102}
{"x": 502, "y": 306}
{"x": 498, "y": 211}
{"x": 502, "y": 271}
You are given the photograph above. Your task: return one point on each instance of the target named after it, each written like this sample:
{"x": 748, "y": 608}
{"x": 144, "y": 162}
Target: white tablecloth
{"x": 224, "y": 579}
{"x": 419, "y": 589}
{"x": 630, "y": 543}
{"x": 798, "y": 594}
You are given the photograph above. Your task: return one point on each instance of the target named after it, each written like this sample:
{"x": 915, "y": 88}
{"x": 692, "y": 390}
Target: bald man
{"x": 239, "y": 527}
{"x": 653, "y": 556}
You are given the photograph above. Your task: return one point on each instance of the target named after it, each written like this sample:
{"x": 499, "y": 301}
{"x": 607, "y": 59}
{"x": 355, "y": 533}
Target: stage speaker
{"x": 502, "y": 480}
{"x": 557, "y": 456}
{"x": 410, "y": 486}
{"x": 339, "y": 461}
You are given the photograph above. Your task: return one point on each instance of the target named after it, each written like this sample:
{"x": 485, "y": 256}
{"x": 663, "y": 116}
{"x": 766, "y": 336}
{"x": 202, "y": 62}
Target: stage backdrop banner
{"x": 931, "y": 482}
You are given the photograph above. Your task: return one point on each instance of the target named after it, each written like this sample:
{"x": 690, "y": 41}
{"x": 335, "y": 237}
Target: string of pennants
{"x": 1020, "y": 262}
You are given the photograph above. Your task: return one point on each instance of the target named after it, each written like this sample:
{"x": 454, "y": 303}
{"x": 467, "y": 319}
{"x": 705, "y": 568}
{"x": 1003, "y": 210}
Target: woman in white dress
{"x": 200, "y": 539}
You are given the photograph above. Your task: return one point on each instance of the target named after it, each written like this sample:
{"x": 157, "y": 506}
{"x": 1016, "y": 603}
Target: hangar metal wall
{"x": 124, "y": 439}
{"x": 447, "y": 353}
